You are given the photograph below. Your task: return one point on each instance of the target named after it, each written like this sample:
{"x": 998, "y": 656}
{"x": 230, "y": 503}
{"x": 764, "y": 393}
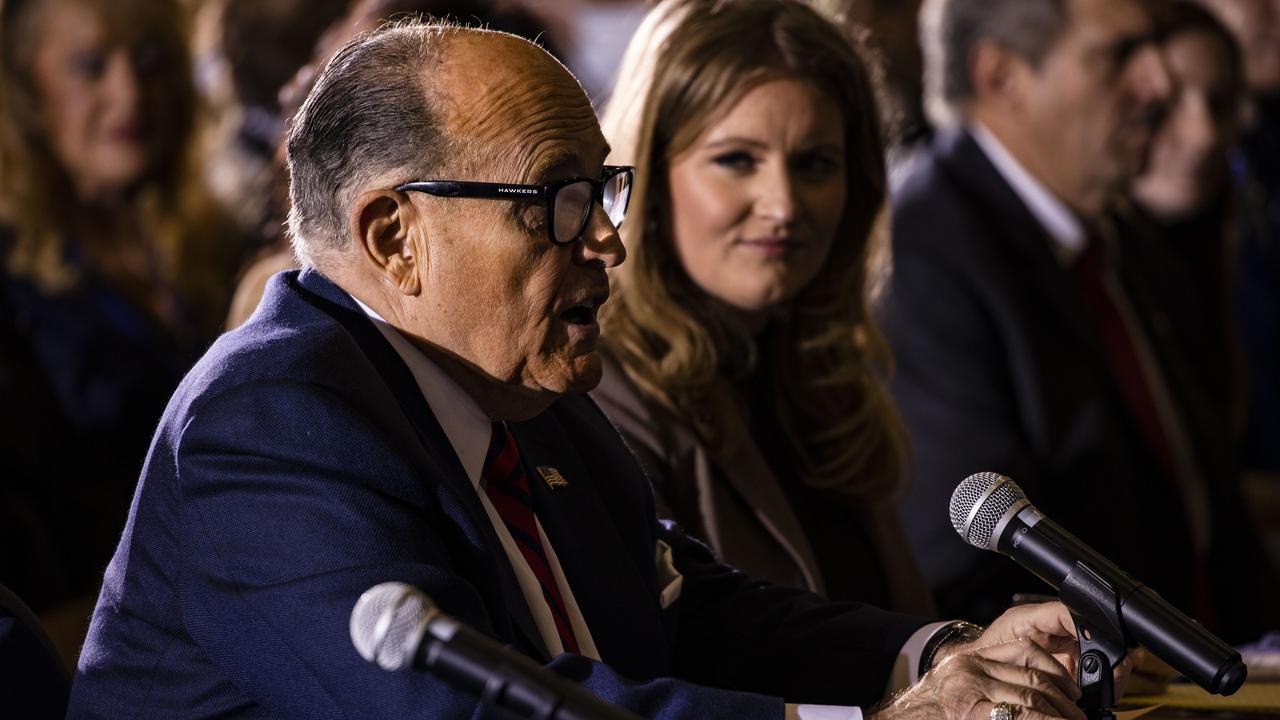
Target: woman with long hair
{"x": 745, "y": 368}
{"x": 112, "y": 272}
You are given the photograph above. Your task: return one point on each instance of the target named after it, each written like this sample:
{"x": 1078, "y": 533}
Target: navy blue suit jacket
{"x": 298, "y": 465}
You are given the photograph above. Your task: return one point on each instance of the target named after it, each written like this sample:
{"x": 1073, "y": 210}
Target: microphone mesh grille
{"x": 388, "y": 622}
{"x": 995, "y": 502}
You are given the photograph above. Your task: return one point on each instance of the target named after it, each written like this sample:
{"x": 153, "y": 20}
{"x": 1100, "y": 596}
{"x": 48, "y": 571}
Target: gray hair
{"x": 372, "y": 113}
{"x": 950, "y": 30}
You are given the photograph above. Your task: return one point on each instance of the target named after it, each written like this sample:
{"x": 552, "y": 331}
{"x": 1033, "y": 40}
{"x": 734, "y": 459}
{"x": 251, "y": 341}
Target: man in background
{"x": 1018, "y": 348}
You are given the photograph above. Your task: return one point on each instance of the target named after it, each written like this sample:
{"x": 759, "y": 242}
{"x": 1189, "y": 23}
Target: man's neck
{"x": 1028, "y": 152}
{"x": 497, "y": 400}
{"x": 1057, "y": 219}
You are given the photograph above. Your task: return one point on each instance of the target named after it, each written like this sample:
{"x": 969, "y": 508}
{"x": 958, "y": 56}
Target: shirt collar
{"x": 1054, "y": 216}
{"x": 468, "y": 428}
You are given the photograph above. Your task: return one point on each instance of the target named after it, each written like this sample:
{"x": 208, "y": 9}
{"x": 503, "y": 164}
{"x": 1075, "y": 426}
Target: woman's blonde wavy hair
{"x": 170, "y": 203}
{"x": 688, "y": 64}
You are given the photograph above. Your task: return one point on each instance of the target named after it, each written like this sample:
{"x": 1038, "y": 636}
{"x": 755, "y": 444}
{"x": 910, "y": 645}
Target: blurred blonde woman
{"x": 112, "y": 273}
{"x": 743, "y": 365}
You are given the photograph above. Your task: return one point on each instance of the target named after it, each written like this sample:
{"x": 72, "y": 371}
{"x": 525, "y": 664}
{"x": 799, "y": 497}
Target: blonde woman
{"x": 744, "y": 368}
{"x": 111, "y": 273}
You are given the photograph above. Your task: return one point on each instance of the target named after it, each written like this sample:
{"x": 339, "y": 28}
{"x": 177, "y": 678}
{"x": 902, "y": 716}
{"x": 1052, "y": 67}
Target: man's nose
{"x": 600, "y": 241}
{"x": 121, "y": 79}
{"x": 1151, "y": 77}
{"x": 1196, "y": 124}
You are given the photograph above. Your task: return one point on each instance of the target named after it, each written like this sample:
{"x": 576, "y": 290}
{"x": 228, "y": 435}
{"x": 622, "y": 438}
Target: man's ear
{"x": 999, "y": 76}
{"x": 382, "y": 222}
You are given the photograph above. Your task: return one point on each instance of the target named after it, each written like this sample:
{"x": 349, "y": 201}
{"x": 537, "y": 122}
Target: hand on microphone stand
{"x": 977, "y": 682}
{"x": 1011, "y": 664}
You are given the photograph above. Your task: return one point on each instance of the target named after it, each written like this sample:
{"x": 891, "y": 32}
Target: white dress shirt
{"x": 469, "y": 430}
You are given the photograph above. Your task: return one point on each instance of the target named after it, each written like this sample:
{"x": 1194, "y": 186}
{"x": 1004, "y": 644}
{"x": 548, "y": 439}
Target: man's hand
{"x": 1048, "y": 625}
{"x": 969, "y": 683}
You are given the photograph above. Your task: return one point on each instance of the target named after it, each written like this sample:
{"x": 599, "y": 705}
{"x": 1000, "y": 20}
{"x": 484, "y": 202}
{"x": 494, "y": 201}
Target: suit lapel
{"x": 1023, "y": 239}
{"x": 618, "y": 602}
{"x": 473, "y": 518}
{"x": 748, "y": 473}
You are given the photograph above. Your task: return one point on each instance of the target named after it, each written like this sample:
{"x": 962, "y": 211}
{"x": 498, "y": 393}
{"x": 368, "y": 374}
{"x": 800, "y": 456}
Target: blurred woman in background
{"x": 1185, "y": 218}
{"x": 1176, "y": 245}
{"x": 112, "y": 272}
{"x": 744, "y": 367}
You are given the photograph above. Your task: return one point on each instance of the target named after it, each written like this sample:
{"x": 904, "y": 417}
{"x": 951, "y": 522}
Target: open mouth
{"x": 584, "y": 313}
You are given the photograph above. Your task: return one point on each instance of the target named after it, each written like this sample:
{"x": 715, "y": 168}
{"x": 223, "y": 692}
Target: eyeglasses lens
{"x": 573, "y": 206}
{"x": 617, "y": 192}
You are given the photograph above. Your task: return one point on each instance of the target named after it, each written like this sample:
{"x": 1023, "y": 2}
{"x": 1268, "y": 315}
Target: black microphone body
{"x": 505, "y": 678}
{"x": 1053, "y": 554}
{"x": 990, "y": 511}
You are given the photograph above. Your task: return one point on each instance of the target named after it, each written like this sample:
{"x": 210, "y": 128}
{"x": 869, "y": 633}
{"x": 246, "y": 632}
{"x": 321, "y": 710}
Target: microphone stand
{"x": 1095, "y": 608}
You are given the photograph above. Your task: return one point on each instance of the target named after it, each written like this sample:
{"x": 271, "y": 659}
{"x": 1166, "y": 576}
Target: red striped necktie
{"x": 1120, "y": 345}
{"x": 507, "y": 487}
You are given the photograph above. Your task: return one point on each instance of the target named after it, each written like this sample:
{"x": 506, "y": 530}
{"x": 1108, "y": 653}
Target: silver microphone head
{"x": 388, "y": 623}
{"x": 982, "y": 505}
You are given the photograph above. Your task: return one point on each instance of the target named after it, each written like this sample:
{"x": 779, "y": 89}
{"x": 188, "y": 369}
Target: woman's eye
{"x": 148, "y": 57}
{"x": 89, "y": 64}
{"x": 816, "y": 164}
{"x": 740, "y": 161}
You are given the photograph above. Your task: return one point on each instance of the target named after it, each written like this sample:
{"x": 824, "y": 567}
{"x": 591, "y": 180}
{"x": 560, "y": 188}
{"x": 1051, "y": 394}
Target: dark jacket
{"x": 84, "y": 377}
{"x": 738, "y": 505}
{"x": 298, "y": 465}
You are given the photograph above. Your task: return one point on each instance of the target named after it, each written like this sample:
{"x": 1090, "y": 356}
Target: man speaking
{"x": 409, "y": 408}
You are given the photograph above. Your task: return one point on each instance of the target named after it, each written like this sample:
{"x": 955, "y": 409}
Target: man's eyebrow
{"x": 1121, "y": 47}
{"x": 562, "y": 163}
{"x": 554, "y": 167}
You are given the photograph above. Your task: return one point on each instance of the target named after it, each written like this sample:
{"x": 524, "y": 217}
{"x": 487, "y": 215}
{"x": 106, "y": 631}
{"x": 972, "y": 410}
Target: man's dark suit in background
{"x": 999, "y": 368}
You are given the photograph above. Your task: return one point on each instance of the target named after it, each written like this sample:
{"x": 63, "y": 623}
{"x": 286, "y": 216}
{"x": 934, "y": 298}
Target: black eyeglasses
{"x": 568, "y": 201}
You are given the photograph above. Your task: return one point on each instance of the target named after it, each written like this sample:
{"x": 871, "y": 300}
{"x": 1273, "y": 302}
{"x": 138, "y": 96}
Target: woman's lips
{"x": 771, "y": 246}
{"x": 129, "y": 133}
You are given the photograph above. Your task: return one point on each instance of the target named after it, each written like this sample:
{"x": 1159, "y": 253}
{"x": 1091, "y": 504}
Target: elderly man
{"x": 408, "y": 407}
{"x": 1018, "y": 349}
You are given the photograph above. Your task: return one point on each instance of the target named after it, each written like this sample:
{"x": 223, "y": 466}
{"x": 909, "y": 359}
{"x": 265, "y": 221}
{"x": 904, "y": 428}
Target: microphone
{"x": 991, "y": 512}
{"x": 398, "y": 627}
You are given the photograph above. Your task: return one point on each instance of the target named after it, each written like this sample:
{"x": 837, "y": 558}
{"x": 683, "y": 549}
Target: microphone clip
{"x": 1095, "y": 608}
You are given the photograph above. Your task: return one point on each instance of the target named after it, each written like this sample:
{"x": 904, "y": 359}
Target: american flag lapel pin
{"x": 552, "y": 477}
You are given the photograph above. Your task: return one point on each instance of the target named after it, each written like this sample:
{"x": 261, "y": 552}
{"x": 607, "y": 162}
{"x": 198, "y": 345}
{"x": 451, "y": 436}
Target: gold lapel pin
{"x": 552, "y": 476}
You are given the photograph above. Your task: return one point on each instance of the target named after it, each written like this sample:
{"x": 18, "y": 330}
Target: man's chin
{"x": 585, "y": 373}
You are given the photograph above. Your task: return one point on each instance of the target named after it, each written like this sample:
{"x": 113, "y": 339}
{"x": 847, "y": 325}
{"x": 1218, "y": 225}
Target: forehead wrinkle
{"x": 524, "y": 106}
{"x": 536, "y": 141}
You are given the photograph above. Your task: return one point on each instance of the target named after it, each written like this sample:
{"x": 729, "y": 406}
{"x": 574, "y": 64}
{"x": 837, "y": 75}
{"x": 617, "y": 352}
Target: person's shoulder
{"x": 639, "y": 417}
{"x": 941, "y": 204}
{"x": 291, "y": 339}
{"x": 617, "y": 395}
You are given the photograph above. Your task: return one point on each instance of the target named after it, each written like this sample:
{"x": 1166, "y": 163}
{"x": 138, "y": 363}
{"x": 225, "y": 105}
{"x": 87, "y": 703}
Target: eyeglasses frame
{"x": 529, "y": 193}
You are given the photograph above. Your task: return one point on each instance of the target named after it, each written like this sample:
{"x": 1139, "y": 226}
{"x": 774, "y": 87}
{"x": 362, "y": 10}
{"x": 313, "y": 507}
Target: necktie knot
{"x": 502, "y": 461}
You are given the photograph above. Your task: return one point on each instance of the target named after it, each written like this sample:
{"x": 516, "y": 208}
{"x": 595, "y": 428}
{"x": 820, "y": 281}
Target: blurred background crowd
{"x": 143, "y": 201}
